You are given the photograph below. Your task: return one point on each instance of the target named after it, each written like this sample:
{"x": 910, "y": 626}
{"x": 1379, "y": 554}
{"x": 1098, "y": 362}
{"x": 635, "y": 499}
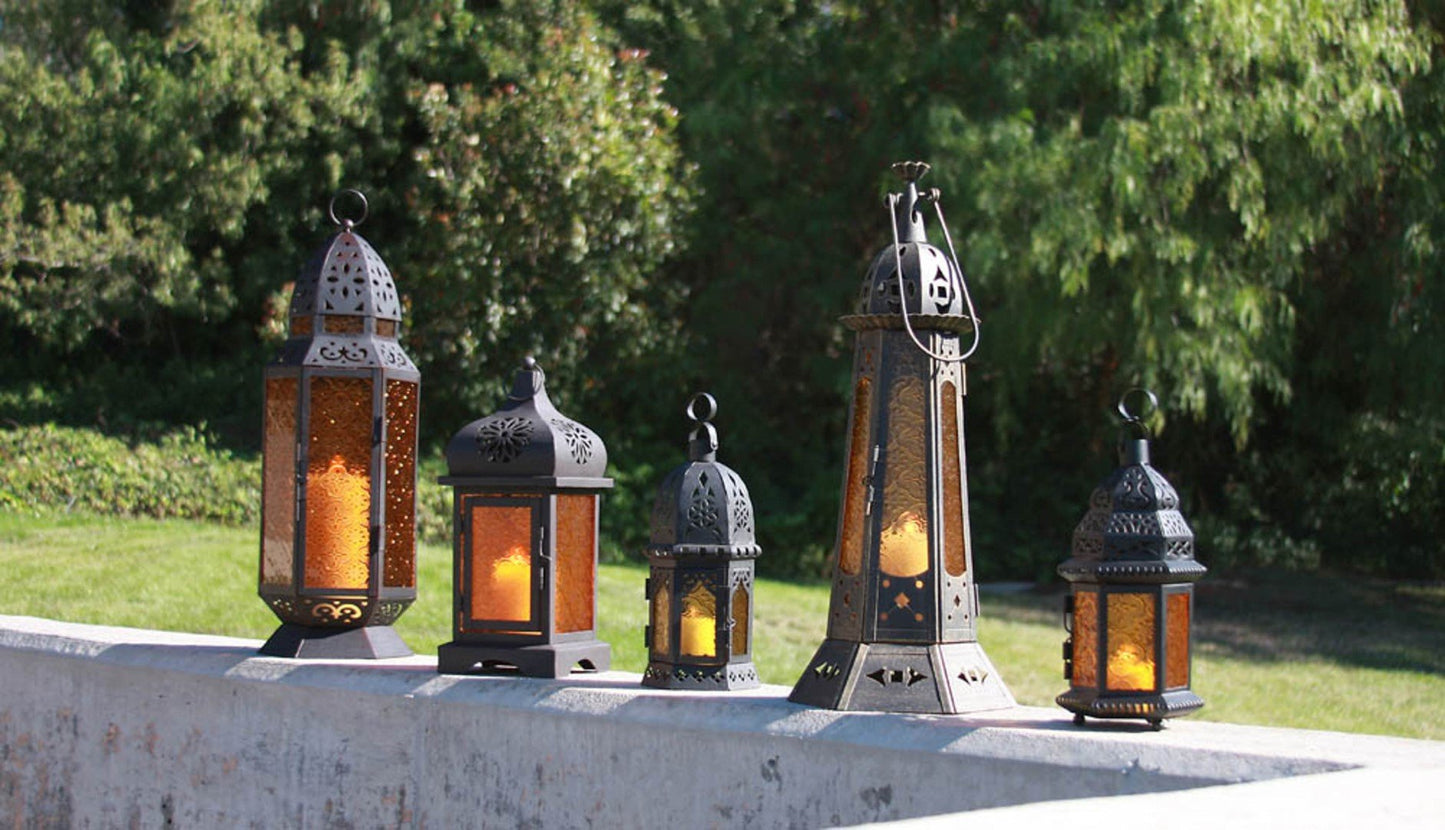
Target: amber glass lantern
{"x": 527, "y": 485}
{"x": 338, "y": 509}
{"x": 1131, "y": 572}
{"x": 903, "y": 612}
{"x": 700, "y": 584}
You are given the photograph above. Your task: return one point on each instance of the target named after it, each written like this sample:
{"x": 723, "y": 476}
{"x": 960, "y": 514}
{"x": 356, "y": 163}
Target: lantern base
{"x": 369, "y": 642}
{"x": 693, "y": 678}
{"x": 940, "y": 678}
{"x": 544, "y": 660}
{"x": 1151, "y": 707}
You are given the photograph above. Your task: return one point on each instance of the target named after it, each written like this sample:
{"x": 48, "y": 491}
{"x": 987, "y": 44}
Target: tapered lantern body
{"x": 338, "y": 512}
{"x": 700, "y": 584}
{"x": 527, "y": 486}
{"x": 902, "y": 620}
{"x": 1131, "y": 603}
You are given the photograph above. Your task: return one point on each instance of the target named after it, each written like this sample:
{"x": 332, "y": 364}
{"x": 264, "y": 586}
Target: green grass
{"x": 1285, "y": 650}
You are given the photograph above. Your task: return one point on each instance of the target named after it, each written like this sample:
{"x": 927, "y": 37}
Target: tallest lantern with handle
{"x": 901, "y": 624}
{"x": 338, "y": 509}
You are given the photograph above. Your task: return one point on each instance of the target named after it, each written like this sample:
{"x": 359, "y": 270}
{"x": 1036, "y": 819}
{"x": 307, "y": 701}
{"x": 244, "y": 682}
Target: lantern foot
{"x": 1152, "y": 708}
{"x": 544, "y": 660}
{"x": 693, "y": 678}
{"x": 941, "y": 678}
{"x": 369, "y": 642}
{"x": 1079, "y": 720}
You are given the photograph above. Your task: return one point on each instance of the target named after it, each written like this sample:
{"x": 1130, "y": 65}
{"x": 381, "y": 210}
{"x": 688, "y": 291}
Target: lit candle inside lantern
{"x": 1130, "y": 671}
{"x": 511, "y": 588}
{"x": 903, "y": 546}
{"x": 699, "y": 623}
{"x": 338, "y": 527}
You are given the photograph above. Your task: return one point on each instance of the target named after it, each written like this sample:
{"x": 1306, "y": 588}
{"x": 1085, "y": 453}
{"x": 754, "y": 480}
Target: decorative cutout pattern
{"x": 342, "y": 351}
{"x": 702, "y": 512}
{"x": 502, "y": 439}
{"x": 578, "y": 440}
{"x": 889, "y": 677}
{"x": 338, "y": 484}
{"x": 740, "y": 503}
{"x": 278, "y": 476}
{"x": 399, "y": 570}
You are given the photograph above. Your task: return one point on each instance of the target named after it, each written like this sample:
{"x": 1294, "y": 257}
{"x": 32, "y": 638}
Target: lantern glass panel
{"x": 954, "y": 558}
{"x": 400, "y": 565}
{"x": 850, "y": 558}
{"x": 742, "y": 602}
{"x": 699, "y": 622}
{"x": 576, "y": 549}
{"x": 662, "y": 615}
{"x": 278, "y": 505}
{"x": 1086, "y": 639}
{"x": 386, "y": 328}
{"x": 1130, "y": 621}
{"x": 501, "y": 563}
{"x": 338, "y": 484}
{"x": 903, "y": 542}
{"x": 1176, "y": 669}
{"x": 343, "y": 324}
{"x": 300, "y": 326}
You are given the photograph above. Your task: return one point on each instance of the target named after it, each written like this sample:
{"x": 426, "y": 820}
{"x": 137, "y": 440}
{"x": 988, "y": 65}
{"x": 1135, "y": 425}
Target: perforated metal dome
{"x": 702, "y": 506}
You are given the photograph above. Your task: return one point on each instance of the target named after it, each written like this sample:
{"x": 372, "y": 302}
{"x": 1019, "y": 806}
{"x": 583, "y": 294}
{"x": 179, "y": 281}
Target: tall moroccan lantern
{"x": 902, "y": 619}
{"x": 338, "y": 509}
{"x": 527, "y": 485}
{"x": 1131, "y": 572}
{"x": 700, "y": 581}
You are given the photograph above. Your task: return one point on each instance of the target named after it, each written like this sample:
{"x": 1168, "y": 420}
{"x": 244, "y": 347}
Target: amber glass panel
{"x": 1176, "y": 670}
{"x": 1131, "y": 642}
{"x": 400, "y": 566}
{"x": 1086, "y": 639}
{"x": 699, "y": 623}
{"x": 850, "y": 556}
{"x": 903, "y": 541}
{"x": 338, "y": 484}
{"x": 955, "y": 558}
{"x": 742, "y": 601}
{"x": 343, "y": 324}
{"x": 576, "y": 558}
{"x": 278, "y": 483}
{"x": 300, "y": 326}
{"x": 662, "y": 615}
{"x": 501, "y": 560}
{"x": 386, "y": 328}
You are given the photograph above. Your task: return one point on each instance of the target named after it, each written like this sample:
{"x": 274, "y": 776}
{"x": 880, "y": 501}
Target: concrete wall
{"x": 105, "y": 727}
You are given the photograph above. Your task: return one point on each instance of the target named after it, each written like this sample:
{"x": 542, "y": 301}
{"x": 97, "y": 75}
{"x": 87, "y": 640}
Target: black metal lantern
{"x": 527, "y": 482}
{"x": 700, "y": 584}
{"x": 903, "y": 611}
{"x": 1132, "y": 573}
{"x": 338, "y": 509}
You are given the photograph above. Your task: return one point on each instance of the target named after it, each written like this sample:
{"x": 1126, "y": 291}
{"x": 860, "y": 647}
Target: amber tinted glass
{"x": 903, "y": 539}
{"x": 662, "y": 615}
{"x": 343, "y": 324}
{"x": 1176, "y": 670}
{"x": 278, "y": 482}
{"x": 850, "y": 553}
{"x": 699, "y": 623}
{"x": 576, "y": 558}
{"x": 501, "y": 563}
{"x": 338, "y": 484}
{"x": 742, "y": 601}
{"x": 300, "y": 326}
{"x": 1131, "y": 642}
{"x": 386, "y": 328}
{"x": 955, "y": 558}
{"x": 400, "y": 566}
{"x": 1086, "y": 639}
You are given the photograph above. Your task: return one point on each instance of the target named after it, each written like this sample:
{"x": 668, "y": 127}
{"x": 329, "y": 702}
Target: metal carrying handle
{"x": 348, "y": 224}
{"x": 935, "y": 198}
{"x": 1149, "y": 404}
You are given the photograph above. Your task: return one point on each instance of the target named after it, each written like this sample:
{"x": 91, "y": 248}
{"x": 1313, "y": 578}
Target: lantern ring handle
{"x": 1149, "y": 402}
{"x": 348, "y": 224}
{"x": 935, "y": 197}
{"x": 706, "y": 414}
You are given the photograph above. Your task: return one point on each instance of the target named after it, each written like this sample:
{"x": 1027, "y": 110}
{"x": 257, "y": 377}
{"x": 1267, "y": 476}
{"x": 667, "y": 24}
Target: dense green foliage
{"x": 1237, "y": 205}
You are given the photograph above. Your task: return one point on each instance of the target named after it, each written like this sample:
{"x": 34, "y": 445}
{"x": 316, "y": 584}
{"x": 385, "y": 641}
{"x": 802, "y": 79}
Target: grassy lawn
{"x": 1284, "y": 650}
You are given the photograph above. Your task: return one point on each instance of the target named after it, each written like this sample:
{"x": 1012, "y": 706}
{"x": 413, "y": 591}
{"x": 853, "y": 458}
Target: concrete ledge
{"x": 108, "y": 727}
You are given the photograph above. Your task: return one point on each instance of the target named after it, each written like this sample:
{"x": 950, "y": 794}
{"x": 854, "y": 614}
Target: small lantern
{"x": 1132, "y": 573}
{"x": 527, "y": 482}
{"x": 700, "y": 586}
{"x": 902, "y": 618}
{"x": 338, "y": 508}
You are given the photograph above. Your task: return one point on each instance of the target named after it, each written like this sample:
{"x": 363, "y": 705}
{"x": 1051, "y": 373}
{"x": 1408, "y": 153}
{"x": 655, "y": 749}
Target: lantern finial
{"x": 702, "y": 444}
{"x": 1134, "y": 443}
{"x": 530, "y": 380}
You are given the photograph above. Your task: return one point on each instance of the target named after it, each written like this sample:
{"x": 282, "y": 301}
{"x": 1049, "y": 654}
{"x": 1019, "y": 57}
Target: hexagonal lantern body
{"x": 1131, "y": 602}
{"x": 338, "y": 510}
{"x": 700, "y": 584}
{"x": 527, "y": 486}
{"x": 901, "y": 624}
